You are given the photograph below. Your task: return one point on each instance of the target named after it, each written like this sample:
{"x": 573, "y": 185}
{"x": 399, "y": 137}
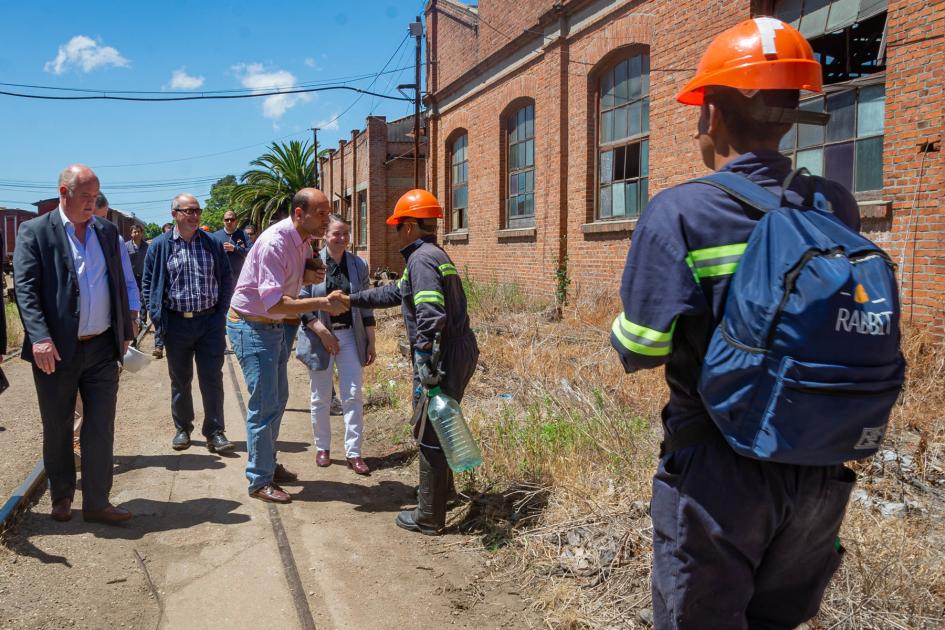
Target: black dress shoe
{"x": 219, "y": 444}
{"x": 181, "y": 440}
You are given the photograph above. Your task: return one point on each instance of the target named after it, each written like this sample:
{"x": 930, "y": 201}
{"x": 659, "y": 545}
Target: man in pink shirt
{"x": 263, "y": 310}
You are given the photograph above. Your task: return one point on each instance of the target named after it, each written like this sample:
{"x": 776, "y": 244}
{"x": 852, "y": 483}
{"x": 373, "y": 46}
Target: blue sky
{"x": 183, "y": 45}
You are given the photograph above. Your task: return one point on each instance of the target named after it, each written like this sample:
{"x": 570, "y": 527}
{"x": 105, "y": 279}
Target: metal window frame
{"x": 453, "y": 185}
{"x": 523, "y": 220}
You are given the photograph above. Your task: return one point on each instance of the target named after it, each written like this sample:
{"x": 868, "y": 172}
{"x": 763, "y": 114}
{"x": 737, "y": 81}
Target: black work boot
{"x": 429, "y": 517}
{"x": 453, "y": 499}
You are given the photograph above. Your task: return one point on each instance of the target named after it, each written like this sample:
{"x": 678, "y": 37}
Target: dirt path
{"x": 200, "y": 554}
{"x": 20, "y": 428}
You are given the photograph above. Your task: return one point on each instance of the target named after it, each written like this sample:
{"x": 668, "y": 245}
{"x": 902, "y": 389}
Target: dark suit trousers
{"x": 93, "y": 373}
{"x": 201, "y": 339}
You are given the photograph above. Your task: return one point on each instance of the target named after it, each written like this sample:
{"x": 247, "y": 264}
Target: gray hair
{"x": 175, "y": 203}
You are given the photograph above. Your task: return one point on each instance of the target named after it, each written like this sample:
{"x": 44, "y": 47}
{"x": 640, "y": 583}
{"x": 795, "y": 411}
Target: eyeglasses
{"x": 192, "y": 212}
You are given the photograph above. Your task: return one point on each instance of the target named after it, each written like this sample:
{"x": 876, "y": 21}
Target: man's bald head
{"x": 310, "y": 211}
{"x": 78, "y": 189}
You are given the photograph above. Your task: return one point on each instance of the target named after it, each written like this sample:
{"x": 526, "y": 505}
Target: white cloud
{"x": 180, "y": 80}
{"x": 310, "y": 62}
{"x": 255, "y": 77}
{"x": 328, "y": 124}
{"x": 86, "y": 54}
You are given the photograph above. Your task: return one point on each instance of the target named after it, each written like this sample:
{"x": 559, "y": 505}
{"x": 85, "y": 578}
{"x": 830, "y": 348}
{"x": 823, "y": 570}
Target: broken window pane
{"x": 871, "y": 110}
{"x": 633, "y": 161}
{"x": 619, "y": 163}
{"x": 812, "y": 160}
{"x": 838, "y": 163}
{"x": 840, "y": 107}
{"x": 869, "y": 164}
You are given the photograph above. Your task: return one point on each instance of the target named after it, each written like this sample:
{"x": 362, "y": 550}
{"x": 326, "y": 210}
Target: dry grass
{"x": 14, "y": 327}
{"x": 570, "y": 444}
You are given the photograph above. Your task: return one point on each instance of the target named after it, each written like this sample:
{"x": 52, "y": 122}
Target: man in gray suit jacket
{"x": 73, "y": 302}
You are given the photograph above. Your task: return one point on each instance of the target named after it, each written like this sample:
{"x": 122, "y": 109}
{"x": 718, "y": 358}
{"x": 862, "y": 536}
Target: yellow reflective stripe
{"x": 447, "y": 269}
{"x": 400, "y": 283}
{"x": 710, "y": 262}
{"x": 424, "y": 297}
{"x": 643, "y": 340}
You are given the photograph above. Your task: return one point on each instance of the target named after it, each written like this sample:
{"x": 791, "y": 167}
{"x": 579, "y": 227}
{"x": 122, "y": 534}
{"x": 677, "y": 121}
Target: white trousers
{"x": 350, "y": 382}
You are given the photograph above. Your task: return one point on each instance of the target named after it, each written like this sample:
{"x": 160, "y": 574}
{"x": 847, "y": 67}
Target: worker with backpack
{"x": 778, "y": 325}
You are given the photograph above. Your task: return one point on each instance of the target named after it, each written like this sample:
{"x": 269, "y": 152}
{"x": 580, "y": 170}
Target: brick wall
{"x": 382, "y": 171}
{"x": 561, "y": 75}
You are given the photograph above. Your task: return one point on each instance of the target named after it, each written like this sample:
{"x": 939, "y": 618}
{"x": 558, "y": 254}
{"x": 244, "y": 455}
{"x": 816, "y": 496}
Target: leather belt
{"x": 91, "y": 337}
{"x": 234, "y": 314}
{"x": 192, "y": 314}
{"x": 340, "y": 326}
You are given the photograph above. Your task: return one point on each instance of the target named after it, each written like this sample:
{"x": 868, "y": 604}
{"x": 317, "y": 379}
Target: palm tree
{"x": 267, "y": 191}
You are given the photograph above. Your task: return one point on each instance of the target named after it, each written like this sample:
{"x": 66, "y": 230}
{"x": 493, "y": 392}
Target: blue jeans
{"x": 261, "y": 351}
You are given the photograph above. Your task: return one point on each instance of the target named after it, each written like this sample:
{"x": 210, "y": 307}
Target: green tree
{"x": 267, "y": 191}
{"x": 219, "y": 201}
{"x": 151, "y": 230}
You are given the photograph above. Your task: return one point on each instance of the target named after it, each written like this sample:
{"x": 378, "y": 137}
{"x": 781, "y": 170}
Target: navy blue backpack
{"x": 805, "y": 366}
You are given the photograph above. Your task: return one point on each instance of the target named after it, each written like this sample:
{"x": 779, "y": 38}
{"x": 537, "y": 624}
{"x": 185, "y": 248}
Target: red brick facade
{"x": 374, "y": 167}
{"x": 487, "y": 60}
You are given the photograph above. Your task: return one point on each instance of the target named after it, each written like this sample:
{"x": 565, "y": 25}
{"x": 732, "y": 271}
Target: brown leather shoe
{"x": 271, "y": 494}
{"x": 61, "y": 509}
{"x": 323, "y": 459}
{"x": 110, "y": 516}
{"x": 357, "y": 465}
{"x": 284, "y": 475}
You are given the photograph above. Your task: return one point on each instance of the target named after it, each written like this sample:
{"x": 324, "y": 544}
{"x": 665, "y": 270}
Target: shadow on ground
{"x": 149, "y": 517}
{"x": 494, "y": 516}
{"x": 386, "y": 496}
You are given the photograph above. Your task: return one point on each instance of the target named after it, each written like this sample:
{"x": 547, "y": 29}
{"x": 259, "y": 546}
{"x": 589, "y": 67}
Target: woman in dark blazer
{"x": 345, "y": 341}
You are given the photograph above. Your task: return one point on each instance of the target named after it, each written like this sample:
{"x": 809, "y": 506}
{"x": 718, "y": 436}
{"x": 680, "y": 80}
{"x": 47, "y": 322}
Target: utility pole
{"x": 315, "y": 138}
{"x": 416, "y": 29}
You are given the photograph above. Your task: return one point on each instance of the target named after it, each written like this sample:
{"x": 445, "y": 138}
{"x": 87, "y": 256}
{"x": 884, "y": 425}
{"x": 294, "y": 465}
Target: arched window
{"x": 520, "y": 200}
{"x": 459, "y": 183}
{"x": 623, "y": 117}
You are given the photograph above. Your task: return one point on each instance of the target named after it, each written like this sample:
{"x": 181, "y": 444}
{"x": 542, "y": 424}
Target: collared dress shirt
{"x": 274, "y": 267}
{"x": 191, "y": 283}
{"x": 131, "y": 285}
{"x": 95, "y": 304}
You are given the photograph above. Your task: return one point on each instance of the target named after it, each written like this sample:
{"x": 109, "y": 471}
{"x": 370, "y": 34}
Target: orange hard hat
{"x": 759, "y": 54}
{"x": 416, "y": 204}
{"x": 205, "y": 228}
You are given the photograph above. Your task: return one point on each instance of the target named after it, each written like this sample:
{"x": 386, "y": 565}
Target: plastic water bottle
{"x": 462, "y": 452}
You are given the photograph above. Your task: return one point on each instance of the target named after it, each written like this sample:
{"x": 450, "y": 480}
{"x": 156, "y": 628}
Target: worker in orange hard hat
{"x": 737, "y": 542}
{"x": 443, "y": 346}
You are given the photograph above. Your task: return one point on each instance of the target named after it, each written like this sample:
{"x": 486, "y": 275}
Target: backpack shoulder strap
{"x": 743, "y": 189}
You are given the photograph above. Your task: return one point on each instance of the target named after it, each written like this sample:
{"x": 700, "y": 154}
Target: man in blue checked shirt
{"x": 187, "y": 286}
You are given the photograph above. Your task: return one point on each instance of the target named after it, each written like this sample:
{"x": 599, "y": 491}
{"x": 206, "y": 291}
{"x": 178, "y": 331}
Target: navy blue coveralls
{"x": 737, "y": 542}
{"x": 432, "y": 301}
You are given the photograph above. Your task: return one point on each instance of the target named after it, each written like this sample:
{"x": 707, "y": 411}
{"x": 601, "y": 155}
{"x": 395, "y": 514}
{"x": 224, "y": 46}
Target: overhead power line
{"x": 201, "y": 97}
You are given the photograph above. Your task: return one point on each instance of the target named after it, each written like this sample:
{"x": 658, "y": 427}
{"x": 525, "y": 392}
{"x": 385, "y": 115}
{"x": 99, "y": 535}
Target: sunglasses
{"x": 228, "y": 220}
